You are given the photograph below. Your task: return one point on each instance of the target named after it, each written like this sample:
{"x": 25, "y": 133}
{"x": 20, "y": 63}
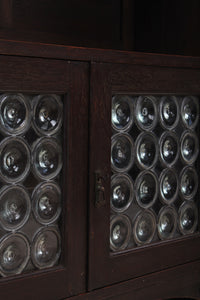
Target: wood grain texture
{"x": 33, "y": 74}
{"x": 180, "y": 282}
{"x": 161, "y": 27}
{"x": 76, "y": 177}
{"x": 74, "y": 22}
{"x": 100, "y": 135}
{"x": 31, "y": 49}
{"x": 6, "y": 14}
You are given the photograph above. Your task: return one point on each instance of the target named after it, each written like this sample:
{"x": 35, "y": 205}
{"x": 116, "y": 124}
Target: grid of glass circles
{"x": 30, "y": 181}
{"x": 154, "y": 163}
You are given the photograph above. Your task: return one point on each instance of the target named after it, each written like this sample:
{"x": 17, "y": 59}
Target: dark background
{"x": 163, "y": 26}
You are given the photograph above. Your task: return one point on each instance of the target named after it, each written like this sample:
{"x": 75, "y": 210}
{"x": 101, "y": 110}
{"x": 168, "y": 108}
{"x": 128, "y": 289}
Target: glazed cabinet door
{"x": 144, "y": 158}
{"x": 43, "y": 153}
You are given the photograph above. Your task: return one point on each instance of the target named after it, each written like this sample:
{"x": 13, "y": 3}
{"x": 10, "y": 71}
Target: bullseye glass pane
{"x": 154, "y": 169}
{"x": 31, "y": 161}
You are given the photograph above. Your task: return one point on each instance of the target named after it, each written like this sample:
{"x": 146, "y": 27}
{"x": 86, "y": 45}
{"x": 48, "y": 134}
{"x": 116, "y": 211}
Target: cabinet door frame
{"x": 37, "y": 75}
{"x": 108, "y": 79}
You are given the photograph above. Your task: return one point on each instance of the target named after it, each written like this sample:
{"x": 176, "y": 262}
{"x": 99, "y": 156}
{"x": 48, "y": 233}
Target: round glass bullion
{"x": 120, "y": 232}
{"x": 14, "y": 159}
{"x": 146, "y": 150}
{"x": 190, "y": 111}
{"x": 169, "y": 148}
{"x": 15, "y": 114}
{"x": 168, "y": 185}
{"x": 47, "y": 114}
{"x": 189, "y": 147}
{"x": 15, "y": 207}
{"x": 14, "y": 254}
{"x": 46, "y": 201}
{"x": 188, "y": 217}
{"x": 188, "y": 182}
{"x": 122, "y": 152}
{"x": 46, "y": 247}
{"x": 146, "y": 189}
{"x": 121, "y": 192}
{"x": 122, "y": 112}
{"x": 169, "y": 111}
{"x": 167, "y": 222}
{"x": 47, "y": 158}
{"x": 146, "y": 112}
{"x": 144, "y": 227}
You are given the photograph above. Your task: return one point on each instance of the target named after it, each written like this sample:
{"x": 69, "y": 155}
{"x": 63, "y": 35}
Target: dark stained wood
{"x": 180, "y": 19}
{"x": 37, "y": 286}
{"x": 33, "y": 74}
{"x": 76, "y": 180}
{"x": 36, "y": 75}
{"x": 73, "y": 22}
{"x": 100, "y": 135}
{"x": 30, "y": 67}
{"x": 159, "y": 26}
{"x": 142, "y": 79}
{"x": 6, "y": 15}
{"x": 180, "y": 282}
{"x": 106, "y": 79}
{"x": 128, "y": 22}
{"x": 148, "y": 25}
{"x": 167, "y": 27}
{"x": 31, "y": 49}
{"x": 191, "y": 39}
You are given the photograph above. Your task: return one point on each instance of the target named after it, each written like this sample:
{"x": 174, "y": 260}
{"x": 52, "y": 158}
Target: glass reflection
{"x": 15, "y": 207}
{"x": 47, "y": 114}
{"x": 122, "y": 112}
{"x": 168, "y": 185}
{"x": 167, "y": 222}
{"x": 14, "y": 254}
{"x": 169, "y": 111}
{"x": 188, "y": 217}
{"x": 146, "y": 112}
{"x": 169, "y": 148}
{"x": 189, "y": 147}
{"x": 15, "y": 159}
{"x": 120, "y": 230}
{"x": 190, "y": 111}
{"x": 47, "y": 160}
{"x": 121, "y": 192}
{"x": 144, "y": 227}
{"x": 146, "y": 187}
{"x": 146, "y": 148}
{"x": 121, "y": 152}
{"x": 46, "y": 248}
{"x": 14, "y": 114}
{"x": 47, "y": 202}
{"x": 189, "y": 182}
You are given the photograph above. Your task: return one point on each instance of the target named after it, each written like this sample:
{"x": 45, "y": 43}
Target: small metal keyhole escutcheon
{"x": 99, "y": 190}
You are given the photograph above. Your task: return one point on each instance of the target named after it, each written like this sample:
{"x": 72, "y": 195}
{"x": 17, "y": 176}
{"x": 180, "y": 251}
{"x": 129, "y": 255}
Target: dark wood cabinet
{"x": 69, "y": 79}
{"x": 87, "y": 79}
{"x": 107, "y": 80}
{"x": 102, "y": 24}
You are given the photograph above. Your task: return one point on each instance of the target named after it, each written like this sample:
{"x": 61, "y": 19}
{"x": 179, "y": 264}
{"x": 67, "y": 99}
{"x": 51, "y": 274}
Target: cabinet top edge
{"x": 62, "y": 52}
